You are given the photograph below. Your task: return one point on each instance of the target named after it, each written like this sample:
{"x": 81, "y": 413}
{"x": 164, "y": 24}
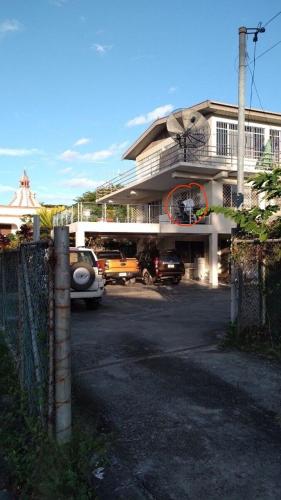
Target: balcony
{"x": 210, "y": 160}
{"x": 125, "y": 214}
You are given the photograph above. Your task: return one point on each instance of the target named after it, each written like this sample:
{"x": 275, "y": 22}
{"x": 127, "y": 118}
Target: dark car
{"x": 161, "y": 265}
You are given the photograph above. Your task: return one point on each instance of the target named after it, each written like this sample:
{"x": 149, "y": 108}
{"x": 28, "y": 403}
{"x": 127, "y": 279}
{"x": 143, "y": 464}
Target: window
{"x": 230, "y": 196}
{"x": 222, "y": 139}
{"x": 275, "y": 140}
{"x": 254, "y": 142}
{"x": 80, "y": 256}
{"x": 227, "y": 140}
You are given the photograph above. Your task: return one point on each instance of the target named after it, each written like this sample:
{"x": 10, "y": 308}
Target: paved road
{"x": 184, "y": 426}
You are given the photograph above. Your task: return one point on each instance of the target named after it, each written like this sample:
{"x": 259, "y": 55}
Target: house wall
{"x": 12, "y": 216}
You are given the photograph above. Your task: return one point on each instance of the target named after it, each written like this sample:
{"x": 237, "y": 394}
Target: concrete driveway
{"x": 188, "y": 421}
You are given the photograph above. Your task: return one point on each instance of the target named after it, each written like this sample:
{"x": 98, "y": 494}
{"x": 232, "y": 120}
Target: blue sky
{"x": 81, "y": 80}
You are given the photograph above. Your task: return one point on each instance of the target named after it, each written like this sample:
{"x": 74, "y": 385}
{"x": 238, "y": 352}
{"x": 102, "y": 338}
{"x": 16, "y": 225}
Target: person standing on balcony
{"x": 188, "y": 205}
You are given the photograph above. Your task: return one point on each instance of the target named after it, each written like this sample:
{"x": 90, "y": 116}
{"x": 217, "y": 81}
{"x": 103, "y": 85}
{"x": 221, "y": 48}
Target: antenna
{"x": 189, "y": 129}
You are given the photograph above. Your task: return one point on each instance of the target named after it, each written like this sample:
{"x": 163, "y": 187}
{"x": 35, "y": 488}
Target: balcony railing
{"x": 172, "y": 155}
{"x": 139, "y": 214}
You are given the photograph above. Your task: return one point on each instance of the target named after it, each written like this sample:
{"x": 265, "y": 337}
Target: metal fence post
{"x": 62, "y": 335}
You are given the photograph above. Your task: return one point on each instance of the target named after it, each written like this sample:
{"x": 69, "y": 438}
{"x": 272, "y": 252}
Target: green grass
{"x": 253, "y": 340}
{"x": 35, "y": 466}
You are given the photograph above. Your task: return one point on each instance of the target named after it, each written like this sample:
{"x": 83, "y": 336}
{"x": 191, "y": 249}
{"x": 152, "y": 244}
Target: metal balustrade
{"x": 139, "y": 214}
{"x": 172, "y": 154}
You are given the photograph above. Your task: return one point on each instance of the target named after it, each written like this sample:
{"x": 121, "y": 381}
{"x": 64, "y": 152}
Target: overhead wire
{"x": 253, "y": 74}
{"x": 255, "y": 87}
{"x": 266, "y": 51}
{"x": 272, "y": 19}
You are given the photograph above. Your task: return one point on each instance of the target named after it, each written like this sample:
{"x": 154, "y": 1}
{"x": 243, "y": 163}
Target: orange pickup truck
{"x": 116, "y": 267}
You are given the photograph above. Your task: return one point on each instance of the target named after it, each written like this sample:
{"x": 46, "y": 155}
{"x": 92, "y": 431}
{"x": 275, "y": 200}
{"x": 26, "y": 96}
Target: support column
{"x": 213, "y": 259}
{"x": 79, "y": 237}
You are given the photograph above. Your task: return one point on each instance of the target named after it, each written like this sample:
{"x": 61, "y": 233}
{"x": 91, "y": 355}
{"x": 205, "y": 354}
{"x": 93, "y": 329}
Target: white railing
{"x": 172, "y": 155}
{"x": 140, "y": 214}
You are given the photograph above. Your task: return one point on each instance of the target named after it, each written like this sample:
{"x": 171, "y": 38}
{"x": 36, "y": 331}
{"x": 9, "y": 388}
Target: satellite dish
{"x": 189, "y": 129}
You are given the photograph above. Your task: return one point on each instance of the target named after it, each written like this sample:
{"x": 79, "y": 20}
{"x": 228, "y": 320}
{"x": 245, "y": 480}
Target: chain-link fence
{"x": 256, "y": 284}
{"x": 26, "y": 293}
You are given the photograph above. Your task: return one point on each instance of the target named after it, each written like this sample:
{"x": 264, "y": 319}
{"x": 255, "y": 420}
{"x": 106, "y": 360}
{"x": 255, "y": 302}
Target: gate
{"x": 26, "y": 318}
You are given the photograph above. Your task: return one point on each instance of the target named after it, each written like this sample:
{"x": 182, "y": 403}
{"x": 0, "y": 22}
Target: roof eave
{"x": 206, "y": 107}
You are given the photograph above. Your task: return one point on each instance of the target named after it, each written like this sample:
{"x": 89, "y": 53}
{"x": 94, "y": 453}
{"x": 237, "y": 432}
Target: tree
{"x": 115, "y": 212}
{"x": 258, "y": 222}
{"x": 47, "y": 214}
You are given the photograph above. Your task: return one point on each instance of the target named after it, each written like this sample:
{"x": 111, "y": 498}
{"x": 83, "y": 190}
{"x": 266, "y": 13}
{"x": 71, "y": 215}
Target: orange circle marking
{"x": 186, "y": 186}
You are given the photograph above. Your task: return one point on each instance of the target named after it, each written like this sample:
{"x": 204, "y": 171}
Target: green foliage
{"x": 268, "y": 183}
{"x": 37, "y": 467}
{"x": 87, "y": 197}
{"x": 46, "y": 215}
{"x": 91, "y": 196}
{"x": 113, "y": 212}
{"x": 254, "y": 221}
{"x": 251, "y": 340}
{"x": 257, "y": 222}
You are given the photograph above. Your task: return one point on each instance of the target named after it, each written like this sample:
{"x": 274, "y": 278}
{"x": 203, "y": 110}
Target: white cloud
{"x": 58, "y": 3}
{"x": 65, "y": 170}
{"x": 6, "y": 189}
{"x": 55, "y": 197}
{"x": 82, "y": 141}
{"x": 70, "y": 155}
{"x": 101, "y": 49}
{"x": 81, "y": 182}
{"x": 17, "y": 152}
{"x": 10, "y": 26}
{"x": 151, "y": 116}
{"x": 96, "y": 156}
{"x": 172, "y": 89}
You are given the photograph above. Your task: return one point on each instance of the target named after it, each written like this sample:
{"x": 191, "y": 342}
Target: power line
{"x": 267, "y": 50}
{"x": 272, "y": 19}
{"x": 253, "y": 74}
{"x": 255, "y": 87}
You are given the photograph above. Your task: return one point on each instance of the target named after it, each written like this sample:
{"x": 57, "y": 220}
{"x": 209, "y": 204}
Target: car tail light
{"x": 100, "y": 270}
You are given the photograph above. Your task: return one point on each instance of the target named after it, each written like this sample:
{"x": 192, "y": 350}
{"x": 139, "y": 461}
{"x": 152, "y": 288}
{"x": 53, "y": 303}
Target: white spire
{"x": 23, "y": 196}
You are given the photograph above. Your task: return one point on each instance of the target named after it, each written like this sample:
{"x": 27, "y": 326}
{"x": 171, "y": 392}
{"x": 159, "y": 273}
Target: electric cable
{"x": 272, "y": 19}
{"x": 253, "y": 75}
{"x": 266, "y": 51}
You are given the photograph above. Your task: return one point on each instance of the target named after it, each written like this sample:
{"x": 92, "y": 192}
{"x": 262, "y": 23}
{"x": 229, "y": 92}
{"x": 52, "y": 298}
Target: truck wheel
{"x": 82, "y": 276}
{"x": 147, "y": 279}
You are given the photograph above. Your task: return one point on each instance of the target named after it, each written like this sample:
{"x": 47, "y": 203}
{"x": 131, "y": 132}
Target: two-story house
{"x": 161, "y": 165}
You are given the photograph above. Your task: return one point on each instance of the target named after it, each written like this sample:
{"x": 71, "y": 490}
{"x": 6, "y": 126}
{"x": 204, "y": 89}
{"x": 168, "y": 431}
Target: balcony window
{"x": 275, "y": 140}
{"x": 254, "y": 142}
{"x": 230, "y": 196}
{"x": 227, "y": 140}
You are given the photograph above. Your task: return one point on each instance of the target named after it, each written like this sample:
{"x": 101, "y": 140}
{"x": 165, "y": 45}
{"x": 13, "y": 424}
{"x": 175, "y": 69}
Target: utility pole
{"x": 36, "y": 228}
{"x": 243, "y": 32}
{"x": 241, "y": 117}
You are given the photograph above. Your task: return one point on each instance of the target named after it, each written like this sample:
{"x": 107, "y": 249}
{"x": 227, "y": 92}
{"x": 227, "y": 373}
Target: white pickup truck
{"x": 87, "y": 281}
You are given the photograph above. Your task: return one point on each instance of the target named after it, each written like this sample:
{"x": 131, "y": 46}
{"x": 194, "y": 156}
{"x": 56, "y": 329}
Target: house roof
{"x": 207, "y": 108}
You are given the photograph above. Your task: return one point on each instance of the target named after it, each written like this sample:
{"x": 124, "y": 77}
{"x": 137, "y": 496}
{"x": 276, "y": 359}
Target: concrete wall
{"x": 13, "y": 215}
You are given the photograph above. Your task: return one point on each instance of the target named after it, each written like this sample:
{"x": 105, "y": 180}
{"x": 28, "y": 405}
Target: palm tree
{"x": 46, "y": 215}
